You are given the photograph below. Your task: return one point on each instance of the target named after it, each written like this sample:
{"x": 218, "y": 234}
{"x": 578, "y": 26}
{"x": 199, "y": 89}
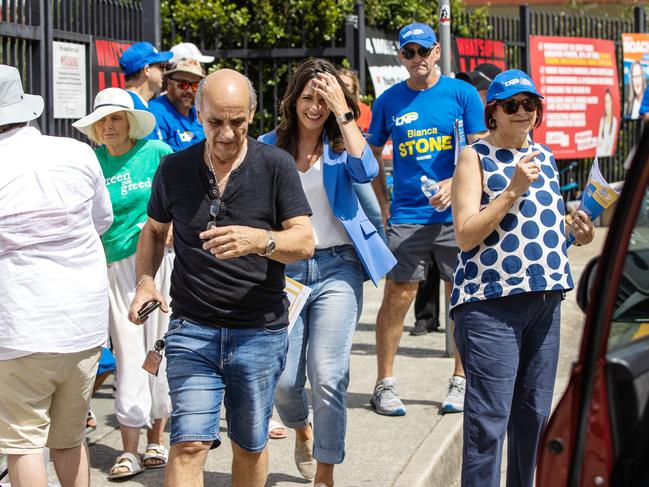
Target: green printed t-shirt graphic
{"x": 128, "y": 179}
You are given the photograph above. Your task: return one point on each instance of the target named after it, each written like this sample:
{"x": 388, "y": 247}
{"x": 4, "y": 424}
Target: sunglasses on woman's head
{"x": 409, "y": 52}
{"x": 510, "y": 107}
{"x": 183, "y": 84}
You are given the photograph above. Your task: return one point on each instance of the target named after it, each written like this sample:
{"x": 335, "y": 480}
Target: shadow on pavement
{"x": 414, "y": 352}
{"x": 356, "y": 400}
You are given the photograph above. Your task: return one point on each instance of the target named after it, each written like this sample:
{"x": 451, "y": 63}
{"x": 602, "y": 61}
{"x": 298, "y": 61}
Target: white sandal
{"x": 161, "y": 453}
{"x": 129, "y": 461}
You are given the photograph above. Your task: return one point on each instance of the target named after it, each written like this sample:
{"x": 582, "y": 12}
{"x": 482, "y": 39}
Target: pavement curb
{"x": 438, "y": 458}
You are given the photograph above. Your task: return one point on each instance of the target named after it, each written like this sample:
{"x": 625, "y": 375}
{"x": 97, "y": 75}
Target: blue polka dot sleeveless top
{"x": 527, "y": 251}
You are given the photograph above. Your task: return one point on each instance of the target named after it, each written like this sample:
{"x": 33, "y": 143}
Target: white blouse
{"x": 327, "y": 229}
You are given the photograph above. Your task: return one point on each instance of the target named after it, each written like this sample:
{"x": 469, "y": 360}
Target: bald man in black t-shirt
{"x": 239, "y": 214}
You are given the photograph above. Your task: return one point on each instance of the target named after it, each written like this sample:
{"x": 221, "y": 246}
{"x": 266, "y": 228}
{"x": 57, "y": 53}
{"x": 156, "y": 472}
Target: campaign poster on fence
{"x": 69, "y": 79}
{"x": 105, "y": 64}
{"x": 469, "y": 52}
{"x": 636, "y": 72}
{"x": 382, "y": 57}
{"x": 578, "y": 78}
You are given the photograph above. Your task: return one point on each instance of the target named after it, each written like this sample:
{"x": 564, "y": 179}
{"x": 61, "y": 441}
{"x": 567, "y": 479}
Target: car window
{"x": 631, "y": 316}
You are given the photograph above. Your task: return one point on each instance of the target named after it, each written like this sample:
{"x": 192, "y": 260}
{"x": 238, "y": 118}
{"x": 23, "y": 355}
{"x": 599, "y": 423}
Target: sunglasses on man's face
{"x": 510, "y": 107}
{"x": 409, "y": 52}
{"x": 183, "y": 84}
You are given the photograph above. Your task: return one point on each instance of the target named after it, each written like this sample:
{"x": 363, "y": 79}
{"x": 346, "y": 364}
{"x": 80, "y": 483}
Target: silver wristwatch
{"x": 345, "y": 117}
{"x": 270, "y": 246}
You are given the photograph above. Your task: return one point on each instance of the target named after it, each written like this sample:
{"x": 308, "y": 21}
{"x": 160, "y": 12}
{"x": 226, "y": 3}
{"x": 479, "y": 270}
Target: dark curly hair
{"x": 287, "y": 128}
{"x": 489, "y": 110}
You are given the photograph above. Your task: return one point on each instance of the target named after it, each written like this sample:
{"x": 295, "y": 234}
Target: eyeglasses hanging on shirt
{"x": 216, "y": 206}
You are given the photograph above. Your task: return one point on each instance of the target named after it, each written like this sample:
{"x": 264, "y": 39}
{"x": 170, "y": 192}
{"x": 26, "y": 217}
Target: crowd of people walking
{"x": 167, "y": 247}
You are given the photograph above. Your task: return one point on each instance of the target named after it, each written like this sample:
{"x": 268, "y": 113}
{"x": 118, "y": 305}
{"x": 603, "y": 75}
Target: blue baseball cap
{"x": 419, "y": 34}
{"x": 510, "y": 83}
{"x": 139, "y": 55}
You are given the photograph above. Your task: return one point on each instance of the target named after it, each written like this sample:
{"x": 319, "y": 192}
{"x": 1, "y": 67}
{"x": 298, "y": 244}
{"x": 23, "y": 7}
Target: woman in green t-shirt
{"x": 129, "y": 163}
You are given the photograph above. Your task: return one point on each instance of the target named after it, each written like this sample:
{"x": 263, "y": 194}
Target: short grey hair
{"x": 252, "y": 95}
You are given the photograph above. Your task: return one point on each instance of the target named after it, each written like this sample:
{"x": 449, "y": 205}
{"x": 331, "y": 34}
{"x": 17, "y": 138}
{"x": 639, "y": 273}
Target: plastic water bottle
{"x": 429, "y": 187}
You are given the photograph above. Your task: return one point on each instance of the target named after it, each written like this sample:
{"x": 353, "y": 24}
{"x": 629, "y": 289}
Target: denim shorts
{"x": 207, "y": 365}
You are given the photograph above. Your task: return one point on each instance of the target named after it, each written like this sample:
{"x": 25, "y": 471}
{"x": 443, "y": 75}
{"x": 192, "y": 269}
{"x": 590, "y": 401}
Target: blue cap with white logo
{"x": 139, "y": 55}
{"x": 510, "y": 83}
{"x": 419, "y": 34}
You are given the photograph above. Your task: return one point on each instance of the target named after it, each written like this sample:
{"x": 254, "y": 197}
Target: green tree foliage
{"x": 253, "y": 23}
{"x": 274, "y": 23}
{"x": 267, "y": 24}
{"x": 394, "y": 14}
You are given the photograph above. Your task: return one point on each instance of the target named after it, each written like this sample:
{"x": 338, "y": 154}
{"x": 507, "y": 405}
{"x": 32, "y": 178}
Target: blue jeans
{"x": 206, "y": 365}
{"x": 509, "y": 348}
{"x": 369, "y": 203}
{"x": 319, "y": 346}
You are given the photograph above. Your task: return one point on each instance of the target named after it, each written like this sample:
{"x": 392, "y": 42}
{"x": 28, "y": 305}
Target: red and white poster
{"x": 105, "y": 65}
{"x": 469, "y": 52}
{"x": 578, "y": 78}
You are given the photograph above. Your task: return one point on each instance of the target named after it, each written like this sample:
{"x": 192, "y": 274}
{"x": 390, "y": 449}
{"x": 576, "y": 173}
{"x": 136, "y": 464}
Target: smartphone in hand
{"x": 146, "y": 309}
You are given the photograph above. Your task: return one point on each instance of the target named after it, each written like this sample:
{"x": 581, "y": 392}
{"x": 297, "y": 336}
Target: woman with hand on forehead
{"x": 318, "y": 129}
{"x": 511, "y": 277}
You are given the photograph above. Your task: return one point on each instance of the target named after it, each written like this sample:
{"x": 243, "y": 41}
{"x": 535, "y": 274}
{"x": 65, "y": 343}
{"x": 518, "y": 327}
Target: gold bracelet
{"x": 142, "y": 280}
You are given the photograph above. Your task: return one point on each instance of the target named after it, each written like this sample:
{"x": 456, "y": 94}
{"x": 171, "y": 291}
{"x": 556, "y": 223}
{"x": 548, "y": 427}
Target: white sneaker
{"x": 454, "y": 401}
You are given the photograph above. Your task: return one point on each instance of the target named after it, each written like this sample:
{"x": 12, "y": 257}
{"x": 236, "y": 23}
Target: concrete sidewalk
{"x": 421, "y": 449}
{"x": 380, "y": 450}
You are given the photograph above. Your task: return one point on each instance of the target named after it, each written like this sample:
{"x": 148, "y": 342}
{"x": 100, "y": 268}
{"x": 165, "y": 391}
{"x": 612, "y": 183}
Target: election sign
{"x": 636, "y": 72}
{"x": 382, "y": 57}
{"x": 468, "y": 53}
{"x": 105, "y": 63}
{"x": 578, "y": 78}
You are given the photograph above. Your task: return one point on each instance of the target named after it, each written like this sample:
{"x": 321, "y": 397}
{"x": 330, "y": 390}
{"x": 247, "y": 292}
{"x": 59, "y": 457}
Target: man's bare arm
{"x": 380, "y": 185}
{"x": 150, "y": 250}
{"x": 294, "y": 242}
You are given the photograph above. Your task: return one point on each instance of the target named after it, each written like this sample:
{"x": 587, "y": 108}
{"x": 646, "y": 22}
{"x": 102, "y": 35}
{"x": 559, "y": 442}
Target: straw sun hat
{"x": 113, "y": 100}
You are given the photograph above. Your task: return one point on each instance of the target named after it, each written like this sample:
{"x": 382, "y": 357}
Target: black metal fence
{"x": 268, "y": 68}
{"x": 28, "y": 28}
{"x": 515, "y": 31}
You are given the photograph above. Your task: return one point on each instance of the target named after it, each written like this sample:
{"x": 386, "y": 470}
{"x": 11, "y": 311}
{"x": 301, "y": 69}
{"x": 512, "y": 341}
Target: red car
{"x": 599, "y": 433}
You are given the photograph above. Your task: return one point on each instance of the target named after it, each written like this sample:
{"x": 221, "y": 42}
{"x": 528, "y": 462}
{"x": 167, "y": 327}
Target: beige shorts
{"x": 44, "y": 400}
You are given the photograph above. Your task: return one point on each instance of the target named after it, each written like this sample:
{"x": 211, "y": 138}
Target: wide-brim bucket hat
{"x": 15, "y": 105}
{"x": 113, "y": 100}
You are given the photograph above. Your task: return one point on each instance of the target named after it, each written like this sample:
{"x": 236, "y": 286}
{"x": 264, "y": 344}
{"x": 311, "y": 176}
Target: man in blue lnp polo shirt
{"x": 421, "y": 115}
{"x": 143, "y": 65}
{"x": 175, "y": 111}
